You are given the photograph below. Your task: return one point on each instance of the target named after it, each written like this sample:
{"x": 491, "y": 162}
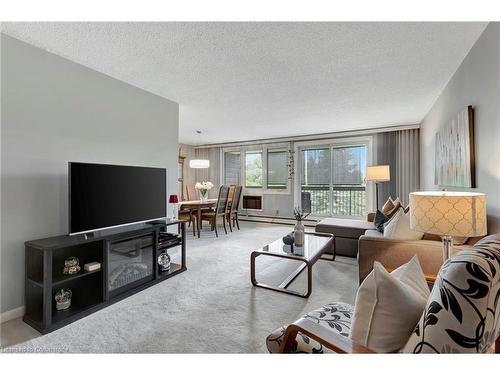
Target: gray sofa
{"x": 359, "y": 238}
{"x": 346, "y": 232}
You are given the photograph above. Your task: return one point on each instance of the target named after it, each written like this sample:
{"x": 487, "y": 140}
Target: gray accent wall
{"x": 476, "y": 83}
{"x": 55, "y": 111}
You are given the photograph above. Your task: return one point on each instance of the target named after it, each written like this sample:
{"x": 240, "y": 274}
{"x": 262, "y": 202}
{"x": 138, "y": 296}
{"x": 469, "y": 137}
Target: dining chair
{"x": 220, "y": 210}
{"x": 191, "y": 193}
{"x": 232, "y": 213}
{"x": 187, "y": 214}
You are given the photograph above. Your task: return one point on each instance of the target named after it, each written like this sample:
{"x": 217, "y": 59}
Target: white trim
{"x": 18, "y": 312}
{"x": 343, "y": 134}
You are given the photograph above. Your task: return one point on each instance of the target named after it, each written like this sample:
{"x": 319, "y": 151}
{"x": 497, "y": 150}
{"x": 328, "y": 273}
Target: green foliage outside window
{"x": 253, "y": 169}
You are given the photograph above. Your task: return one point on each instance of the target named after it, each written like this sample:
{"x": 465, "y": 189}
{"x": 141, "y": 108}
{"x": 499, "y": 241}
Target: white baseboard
{"x": 12, "y": 314}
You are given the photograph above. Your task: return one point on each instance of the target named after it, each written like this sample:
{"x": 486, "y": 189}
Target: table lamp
{"x": 378, "y": 174}
{"x": 448, "y": 214}
{"x": 173, "y": 199}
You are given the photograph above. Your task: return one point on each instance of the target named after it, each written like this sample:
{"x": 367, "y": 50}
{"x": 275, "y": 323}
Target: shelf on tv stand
{"x": 44, "y": 277}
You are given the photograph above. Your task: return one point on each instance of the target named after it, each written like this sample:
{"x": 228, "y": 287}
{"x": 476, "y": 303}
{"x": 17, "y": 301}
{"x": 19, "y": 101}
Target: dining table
{"x": 198, "y": 206}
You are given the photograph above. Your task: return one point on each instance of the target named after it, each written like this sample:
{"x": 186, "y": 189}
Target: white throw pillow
{"x": 388, "y": 306}
{"x": 398, "y": 228}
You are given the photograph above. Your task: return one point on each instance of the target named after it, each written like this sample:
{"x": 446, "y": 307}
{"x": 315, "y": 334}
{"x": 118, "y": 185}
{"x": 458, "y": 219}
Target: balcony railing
{"x": 347, "y": 200}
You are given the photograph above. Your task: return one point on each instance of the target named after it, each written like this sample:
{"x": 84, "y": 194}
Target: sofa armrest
{"x": 328, "y": 338}
{"x": 394, "y": 253}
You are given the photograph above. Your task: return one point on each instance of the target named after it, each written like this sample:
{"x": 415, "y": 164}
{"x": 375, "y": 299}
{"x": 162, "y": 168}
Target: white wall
{"x": 55, "y": 111}
{"x": 476, "y": 83}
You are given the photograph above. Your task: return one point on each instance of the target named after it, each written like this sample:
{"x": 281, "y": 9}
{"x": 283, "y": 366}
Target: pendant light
{"x": 199, "y": 163}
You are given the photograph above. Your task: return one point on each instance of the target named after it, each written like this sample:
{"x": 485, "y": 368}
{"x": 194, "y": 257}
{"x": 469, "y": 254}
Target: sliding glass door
{"x": 333, "y": 180}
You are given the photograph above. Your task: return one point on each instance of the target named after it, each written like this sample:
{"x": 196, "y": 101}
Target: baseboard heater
{"x": 252, "y": 202}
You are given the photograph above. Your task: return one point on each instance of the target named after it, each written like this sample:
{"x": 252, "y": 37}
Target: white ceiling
{"x": 243, "y": 81}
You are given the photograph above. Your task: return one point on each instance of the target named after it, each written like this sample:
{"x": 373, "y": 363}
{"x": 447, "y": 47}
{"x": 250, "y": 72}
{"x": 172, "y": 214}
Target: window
{"x": 315, "y": 180}
{"x": 332, "y": 180}
{"x": 277, "y": 169}
{"x": 348, "y": 175}
{"x": 232, "y": 168}
{"x": 253, "y": 169}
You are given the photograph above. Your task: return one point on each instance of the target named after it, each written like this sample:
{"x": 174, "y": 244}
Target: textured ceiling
{"x": 242, "y": 81}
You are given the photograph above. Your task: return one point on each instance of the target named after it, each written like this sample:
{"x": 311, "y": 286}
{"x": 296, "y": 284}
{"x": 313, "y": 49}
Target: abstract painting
{"x": 454, "y": 155}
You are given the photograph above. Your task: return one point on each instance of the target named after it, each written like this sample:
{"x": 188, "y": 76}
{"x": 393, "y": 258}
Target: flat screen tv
{"x": 104, "y": 196}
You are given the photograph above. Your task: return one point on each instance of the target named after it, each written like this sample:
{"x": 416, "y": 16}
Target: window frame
{"x": 331, "y": 143}
{"x": 223, "y": 164}
{"x": 263, "y": 182}
{"x": 286, "y": 184}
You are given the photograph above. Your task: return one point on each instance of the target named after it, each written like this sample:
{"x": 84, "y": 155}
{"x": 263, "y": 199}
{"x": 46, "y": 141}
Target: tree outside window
{"x": 253, "y": 169}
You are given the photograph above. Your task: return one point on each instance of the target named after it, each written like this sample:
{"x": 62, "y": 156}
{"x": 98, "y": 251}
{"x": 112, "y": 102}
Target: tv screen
{"x": 102, "y": 196}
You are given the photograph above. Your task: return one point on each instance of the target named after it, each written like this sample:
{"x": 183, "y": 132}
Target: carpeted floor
{"x": 210, "y": 308}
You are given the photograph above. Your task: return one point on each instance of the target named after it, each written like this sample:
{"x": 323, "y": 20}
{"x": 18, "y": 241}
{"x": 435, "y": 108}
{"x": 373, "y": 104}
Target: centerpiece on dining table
{"x": 203, "y": 188}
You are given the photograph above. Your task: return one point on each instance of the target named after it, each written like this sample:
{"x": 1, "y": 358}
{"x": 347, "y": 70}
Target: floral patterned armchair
{"x": 462, "y": 314}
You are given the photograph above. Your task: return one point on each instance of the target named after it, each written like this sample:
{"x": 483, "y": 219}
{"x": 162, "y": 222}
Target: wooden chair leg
{"x": 215, "y": 226}
{"x": 237, "y": 222}
{"x": 229, "y": 222}
{"x": 224, "y": 223}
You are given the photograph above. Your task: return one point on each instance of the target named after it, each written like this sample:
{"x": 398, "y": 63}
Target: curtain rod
{"x": 347, "y": 133}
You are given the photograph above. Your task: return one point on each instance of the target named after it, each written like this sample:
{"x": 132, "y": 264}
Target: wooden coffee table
{"x": 315, "y": 245}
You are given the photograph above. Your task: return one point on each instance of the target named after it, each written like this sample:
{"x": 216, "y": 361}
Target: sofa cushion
{"x": 380, "y": 220}
{"x": 335, "y": 316}
{"x": 398, "y": 228}
{"x": 373, "y": 233}
{"x": 349, "y": 228}
{"x": 462, "y": 314}
{"x": 388, "y": 206}
{"x": 388, "y": 305}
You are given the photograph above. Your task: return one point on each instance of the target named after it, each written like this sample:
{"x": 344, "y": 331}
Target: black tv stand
{"x": 94, "y": 290}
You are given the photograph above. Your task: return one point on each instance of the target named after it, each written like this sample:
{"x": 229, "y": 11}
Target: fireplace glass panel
{"x": 130, "y": 263}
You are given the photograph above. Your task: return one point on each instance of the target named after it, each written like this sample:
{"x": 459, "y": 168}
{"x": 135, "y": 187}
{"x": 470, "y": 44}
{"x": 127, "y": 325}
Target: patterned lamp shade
{"x": 448, "y": 213}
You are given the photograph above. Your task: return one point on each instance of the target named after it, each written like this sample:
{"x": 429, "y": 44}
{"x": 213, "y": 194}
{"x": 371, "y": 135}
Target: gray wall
{"x": 55, "y": 111}
{"x": 477, "y": 83}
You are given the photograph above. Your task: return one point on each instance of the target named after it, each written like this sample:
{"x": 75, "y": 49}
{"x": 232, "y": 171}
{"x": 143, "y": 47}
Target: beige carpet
{"x": 210, "y": 308}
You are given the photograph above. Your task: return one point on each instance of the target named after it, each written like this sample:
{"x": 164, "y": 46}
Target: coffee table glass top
{"x": 313, "y": 244}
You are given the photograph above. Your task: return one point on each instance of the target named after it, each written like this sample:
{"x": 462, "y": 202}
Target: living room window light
{"x": 332, "y": 178}
{"x": 253, "y": 169}
{"x": 277, "y": 169}
{"x": 232, "y": 168}
{"x": 262, "y": 167}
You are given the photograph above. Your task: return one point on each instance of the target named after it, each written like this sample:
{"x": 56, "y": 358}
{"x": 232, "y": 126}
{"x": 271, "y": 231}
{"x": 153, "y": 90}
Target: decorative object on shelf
{"x": 93, "y": 266}
{"x": 203, "y": 189}
{"x": 164, "y": 262}
{"x": 454, "y": 154}
{"x": 448, "y": 214}
{"x": 174, "y": 200}
{"x": 199, "y": 163}
{"x": 288, "y": 239}
{"x": 378, "y": 174}
{"x": 71, "y": 266}
{"x": 298, "y": 231}
{"x": 63, "y": 299}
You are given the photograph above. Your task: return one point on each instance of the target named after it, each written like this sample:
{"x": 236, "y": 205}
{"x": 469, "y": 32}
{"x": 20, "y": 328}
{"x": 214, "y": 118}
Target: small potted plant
{"x": 203, "y": 189}
{"x": 298, "y": 232}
